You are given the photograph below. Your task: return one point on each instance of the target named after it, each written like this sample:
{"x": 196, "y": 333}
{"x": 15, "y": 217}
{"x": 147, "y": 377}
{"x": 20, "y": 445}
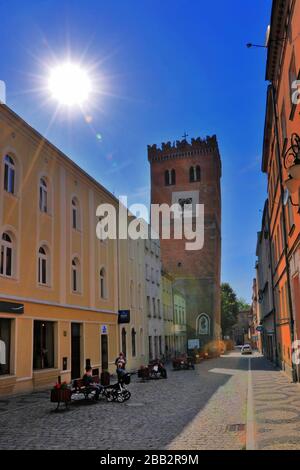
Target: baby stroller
{"x": 118, "y": 392}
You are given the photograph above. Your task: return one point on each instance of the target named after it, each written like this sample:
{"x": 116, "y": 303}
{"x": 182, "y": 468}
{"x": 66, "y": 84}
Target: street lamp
{"x": 292, "y": 165}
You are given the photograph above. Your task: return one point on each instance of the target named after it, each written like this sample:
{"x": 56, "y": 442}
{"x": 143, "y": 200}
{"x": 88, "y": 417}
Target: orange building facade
{"x": 279, "y": 162}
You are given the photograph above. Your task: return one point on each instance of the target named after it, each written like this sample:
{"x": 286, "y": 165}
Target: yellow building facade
{"x": 59, "y": 285}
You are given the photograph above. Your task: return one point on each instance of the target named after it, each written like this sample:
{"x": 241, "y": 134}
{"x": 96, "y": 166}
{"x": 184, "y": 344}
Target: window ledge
{"x": 44, "y": 286}
{"x": 8, "y": 377}
{"x": 11, "y": 195}
{"x": 46, "y": 214}
{"x": 45, "y": 371}
{"x": 9, "y": 278}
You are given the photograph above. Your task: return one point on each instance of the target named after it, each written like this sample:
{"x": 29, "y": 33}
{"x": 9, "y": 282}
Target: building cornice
{"x": 267, "y": 131}
{"x": 183, "y": 149}
{"x": 280, "y": 9}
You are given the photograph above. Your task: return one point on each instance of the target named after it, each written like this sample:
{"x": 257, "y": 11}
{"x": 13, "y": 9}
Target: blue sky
{"x": 165, "y": 67}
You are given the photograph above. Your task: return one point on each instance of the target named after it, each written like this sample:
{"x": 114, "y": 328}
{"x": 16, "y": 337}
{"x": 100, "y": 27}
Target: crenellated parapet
{"x": 183, "y": 148}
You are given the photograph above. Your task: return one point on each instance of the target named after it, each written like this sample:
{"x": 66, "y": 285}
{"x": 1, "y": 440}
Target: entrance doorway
{"x": 104, "y": 352}
{"x": 75, "y": 350}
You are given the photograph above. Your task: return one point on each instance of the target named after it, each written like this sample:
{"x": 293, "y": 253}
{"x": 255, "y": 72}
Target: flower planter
{"x": 60, "y": 396}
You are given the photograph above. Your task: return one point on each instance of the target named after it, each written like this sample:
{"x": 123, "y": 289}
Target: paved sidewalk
{"x": 161, "y": 414}
{"x": 221, "y": 424}
{"x": 203, "y": 409}
{"x": 277, "y": 408}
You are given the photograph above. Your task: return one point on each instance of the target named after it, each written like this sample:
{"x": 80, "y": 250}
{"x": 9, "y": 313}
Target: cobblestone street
{"x": 201, "y": 409}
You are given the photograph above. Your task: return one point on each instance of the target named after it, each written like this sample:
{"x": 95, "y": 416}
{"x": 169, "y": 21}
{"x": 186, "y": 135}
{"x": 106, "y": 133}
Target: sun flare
{"x": 69, "y": 84}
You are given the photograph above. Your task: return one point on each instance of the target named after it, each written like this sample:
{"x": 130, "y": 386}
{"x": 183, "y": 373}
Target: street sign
{"x": 124, "y": 316}
{"x": 259, "y": 328}
{"x": 104, "y": 329}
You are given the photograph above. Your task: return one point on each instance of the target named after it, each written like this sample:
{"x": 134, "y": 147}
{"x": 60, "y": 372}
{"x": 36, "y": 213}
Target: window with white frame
{"x": 75, "y": 214}
{"x": 7, "y": 254}
{"x": 9, "y": 174}
{"x": 43, "y": 266}
{"x": 76, "y": 275}
{"x": 43, "y": 195}
{"x": 203, "y": 324}
{"x": 148, "y": 306}
{"x": 195, "y": 173}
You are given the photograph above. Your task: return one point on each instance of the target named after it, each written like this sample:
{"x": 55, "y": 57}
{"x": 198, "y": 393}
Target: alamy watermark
{"x": 181, "y": 220}
{"x": 296, "y": 93}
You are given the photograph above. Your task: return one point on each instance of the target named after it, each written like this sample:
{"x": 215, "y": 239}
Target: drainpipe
{"x": 285, "y": 237}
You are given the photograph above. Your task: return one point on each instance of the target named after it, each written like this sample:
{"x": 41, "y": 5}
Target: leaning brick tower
{"x": 192, "y": 171}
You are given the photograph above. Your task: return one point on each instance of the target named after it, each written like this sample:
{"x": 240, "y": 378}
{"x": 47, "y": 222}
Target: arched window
{"x": 7, "y": 253}
{"x": 203, "y": 324}
{"x": 76, "y": 278}
{"x": 43, "y": 195}
{"x": 75, "y": 214}
{"x": 102, "y": 283}
{"x": 192, "y": 174}
{"x": 167, "y": 177}
{"x": 133, "y": 342}
{"x": 195, "y": 173}
{"x": 123, "y": 336}
{"x": 170, "y": 177}
{"x": 9, "y": 174}
{"x": 173, "y": 177}
{"x": 43, "y": 266}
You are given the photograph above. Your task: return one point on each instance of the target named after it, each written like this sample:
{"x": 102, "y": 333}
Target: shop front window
{"x": 5, "y": 338}
{"x": 43, "y": 345}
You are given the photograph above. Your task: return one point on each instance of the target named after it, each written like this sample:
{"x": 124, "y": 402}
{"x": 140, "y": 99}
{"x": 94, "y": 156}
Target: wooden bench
{"x": 78, "y": 387}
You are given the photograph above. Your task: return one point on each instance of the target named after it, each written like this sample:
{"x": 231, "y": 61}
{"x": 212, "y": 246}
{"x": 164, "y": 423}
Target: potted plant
{"x": 61, "y": 393}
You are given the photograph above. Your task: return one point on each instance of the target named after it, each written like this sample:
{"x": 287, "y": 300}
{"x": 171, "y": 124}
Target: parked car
{"x": 246, "y": 349}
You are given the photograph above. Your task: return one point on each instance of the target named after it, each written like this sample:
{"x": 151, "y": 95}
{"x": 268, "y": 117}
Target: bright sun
{"x": 69, "y": 84}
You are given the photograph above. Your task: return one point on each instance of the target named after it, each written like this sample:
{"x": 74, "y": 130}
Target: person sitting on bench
{"x": 88, "y": 382}
{"x": 121, "y": 372}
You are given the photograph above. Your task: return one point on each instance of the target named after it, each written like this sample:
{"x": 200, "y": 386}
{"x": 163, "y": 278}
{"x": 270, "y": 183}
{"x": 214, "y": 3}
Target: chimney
{"x": 2, "y": 92}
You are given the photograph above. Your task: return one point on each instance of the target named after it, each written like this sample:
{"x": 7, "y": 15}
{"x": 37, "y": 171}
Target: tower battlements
{"x": 183, "y": 148}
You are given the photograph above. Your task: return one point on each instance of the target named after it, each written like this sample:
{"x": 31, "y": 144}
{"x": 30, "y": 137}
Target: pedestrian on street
{"x": 121, "y": 359}
{"x": 88, "y": 381}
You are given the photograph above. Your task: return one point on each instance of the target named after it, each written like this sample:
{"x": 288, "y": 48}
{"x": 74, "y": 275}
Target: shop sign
{"x": 10, "y": 307}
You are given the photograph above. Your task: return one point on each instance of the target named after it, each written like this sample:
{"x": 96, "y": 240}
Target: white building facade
{"x": 133, "y": 336}
{"x": 156, "y": 339}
